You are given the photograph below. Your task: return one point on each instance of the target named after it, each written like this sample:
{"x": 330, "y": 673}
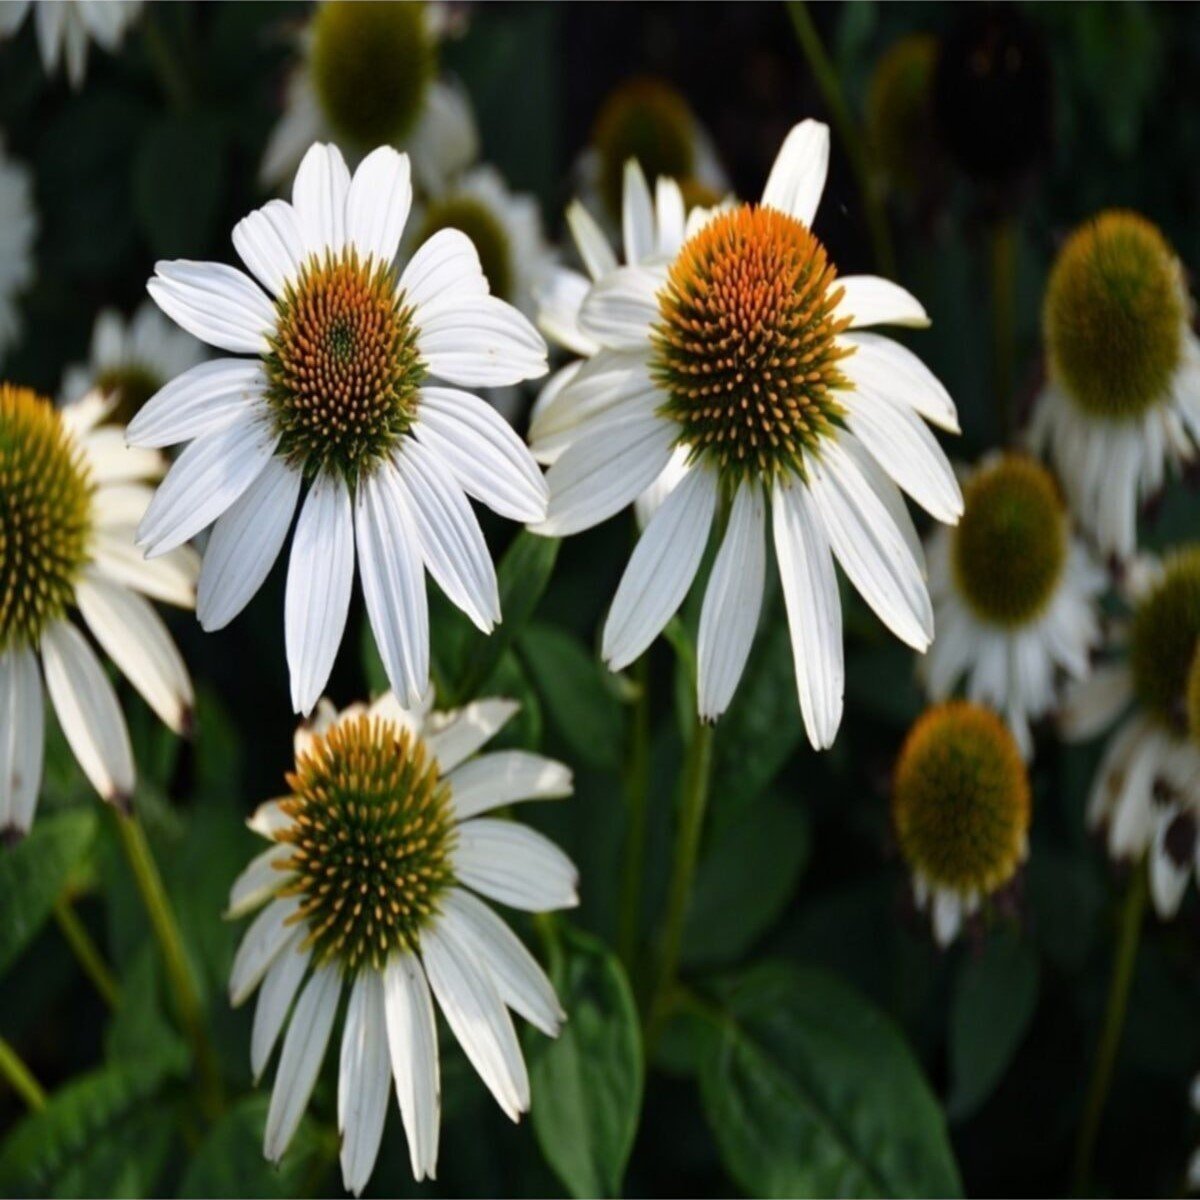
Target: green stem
{"x": 20, "y": 1077}
{"x": 637, "y": 786}
{"x": 1128, "y": 933}
{"x": 170, "y": 942}
{"x": 1003, "y": 273}
{"x": 696, "y": 775}
{"x": 835, "y": 100}
{"x": 86, "y": 951}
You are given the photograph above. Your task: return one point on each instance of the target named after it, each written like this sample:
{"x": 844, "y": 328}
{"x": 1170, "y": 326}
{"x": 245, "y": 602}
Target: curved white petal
{"x": 797, "y": 178}
{"x": 111, "y": 461}
{"x": 271, "y": 245}
{"x": 319, "y": 198}
{"x": 22, "y": 738}
{"x": 621, "y": 307}
{"x": 444, "y": 267}
{"x": 895, "y": 371}
{"x": 869, "y": 300}
{"x": 670, "y": 216}
{"x": 479, "y": 341}
{"x": 514, "y": 865}
{"x": 637, "y": 214}
{"x": 258, "y": 881}
{"x": 208, "y": 397}
{"x": 364, "y": 1073}
{"x": 279, "y": 987}
{"x": 594, "y": 250}
{"x": 265, "y": 937}
{"x": 505, "y": 777}
{"x": 216, "y": 303}
{"x": 453, "y": 737}
{"x": 559, "y": 295}
{"x": 378, "y": 204}
{"x": 170, "y": 578}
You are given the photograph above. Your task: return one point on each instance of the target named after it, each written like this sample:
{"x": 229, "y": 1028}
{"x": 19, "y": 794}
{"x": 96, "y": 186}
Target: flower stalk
{"x": 86, "y": 952}
{"x": 20, "y": 1077}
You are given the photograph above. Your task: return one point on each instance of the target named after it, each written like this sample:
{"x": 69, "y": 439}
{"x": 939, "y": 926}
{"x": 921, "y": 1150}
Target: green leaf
{"x": 581, "y": 705}
{"x": 811, "y": 1091}
{"x": 587, "y": 1084}
{"x": 34, "y": 872}
{"x": 744, "y": 881}
{"x": 139, "y": 1030}
{"x": 995, "y": 993}
{"x": 230, "y": 1161}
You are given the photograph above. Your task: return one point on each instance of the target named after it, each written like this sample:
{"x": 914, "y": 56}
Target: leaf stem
{"x": 637, "y": 781}
{"x": 20, "y": 1077}
{"x": 831, "y": 89}
{"x": 1129, "y": 929}
{"x": 86, "y": 951}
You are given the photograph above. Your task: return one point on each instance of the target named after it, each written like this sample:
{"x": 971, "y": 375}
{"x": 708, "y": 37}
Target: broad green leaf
{"x": 33, "y": 873}
{"x": 581, "y": 705}
{"x": 811, "y": 1091}
{"x": 995, "y": 992}
{"x": 587, "y": 1083}
{"x": 139, "y": 1029}
{"x": 127, "y": 1159}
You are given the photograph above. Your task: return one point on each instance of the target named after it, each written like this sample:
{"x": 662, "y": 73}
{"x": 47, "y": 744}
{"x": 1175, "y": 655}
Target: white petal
{"x": 300, "y": 1062}
{"x": 445, "y": 266}
{"x": 279, "y": 988}
{"x": 412, "y": 1041}
{"x": 477, "y": 1016}
{"x": 393, "y": 581}
{"x": 732, "y": 602}
{"x": 559, "y": 295}
{"x": 363, "y": 1077}
{"x": 135, "y": 638}
{"x": 122, "y": 504}
{"x": 621, "y": 308}
{"x": 637, "y": 214}
{"x": 268, "y": 819}
{"x": 661, "y": 569}
{"x": 112, "y": 461}
{"x": 451, "y": 541}
{"x": 597, "y": 255}
{"x": 869, "y": 300}
{"x": 479, "y": 341}
{"x": 947, "y": 917}
{"x": 88, "y": 711}
{"x": 814, "y": 611}
{"x": 270, "y": 243}
{"x": 1093, "y": 704}
{"x": 504, "y": 777}
{"x": 895, "y": 371}
{"x": 319, "y": 581}
{"x": 319, "y": 198}
{"x": 216, "y": 303}
{"x": 202, "y": 400}
{"x": 798, "y": 177}
{"x": 485, "y": 456}
{"x": 1168, "y": 879}
{"x": 204, "y": 481}
{"x": 457, "y": 735}
{"x": 244, "y": 544}
{"x": 22, "y": 738}
{"x": 671, "y": 218}
{"x": 267, "y": 934}
{"x": 170, "y": 578}
{"x": 514, "y": 865}
{"x": 258, "y": 881}
{"x": 378, "y": 204}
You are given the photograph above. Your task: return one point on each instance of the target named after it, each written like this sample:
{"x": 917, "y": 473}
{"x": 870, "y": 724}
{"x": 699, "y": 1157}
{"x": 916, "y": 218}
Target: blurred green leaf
{"x": 811, "y": 1091}
{"x": 587, "y": 1083}
{"x": 33, "y": 873}
{"x": 139, "y": 1030}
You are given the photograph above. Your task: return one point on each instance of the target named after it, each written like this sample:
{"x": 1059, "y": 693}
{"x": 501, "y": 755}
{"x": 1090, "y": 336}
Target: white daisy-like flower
{"x": 1122, "y": 401}
{"x": 396, "y": 921}
{"x": 1146, "y": 793}
{"x": 18, "y": 228}
{"x": 1193, "y": 1168}
{"x": 746, "y": 351}
{"x": 71, "y": 493}
{"x": 65, "y": 27}
{"x": 347, "y": 390}
{"x": 369, "y": 77}
{"x": 1014, "y": 595}
{"x": 131, "y": 360}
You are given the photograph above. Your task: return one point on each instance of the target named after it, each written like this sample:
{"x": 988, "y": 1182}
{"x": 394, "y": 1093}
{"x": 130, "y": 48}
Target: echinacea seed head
{"x": 1009, "y": 549}
{"x": 45, "y": 516}
{"x": 489, "y": 237}
{"x": 1193, "y": 696}
{"x": 343, "y": 371}
{"x": 960, "y": 799}
{"x": 746, "y": 347}
{"x": 371, "y": 66}
{"x": 371, "y": 831}
{"x": 130, "y": 385}
{"x": 1114, "y": 316}
{"x": 1163, "y": 637}
{"x": 899, "y": 116}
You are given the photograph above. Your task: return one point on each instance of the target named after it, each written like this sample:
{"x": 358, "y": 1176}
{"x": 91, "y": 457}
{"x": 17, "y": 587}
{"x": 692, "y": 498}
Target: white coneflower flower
{"x": 18, "y": 228}
{"x": 740, "y": 352}
{"x": 1014, "y": 595}
{"x": 64, "y": 28}
{"x": 131, "y": 360}
{"x": 345, "y": 393}
{"x": 960, "y": 810}
{"x": 1146, "y": 794}
{"x": 369, "y": 77}
{"x": 379, "y": 849}
{"x": 1122, "y": 402}
{"x": 1193, "y": 1168}
{"x": 71, "y": 493}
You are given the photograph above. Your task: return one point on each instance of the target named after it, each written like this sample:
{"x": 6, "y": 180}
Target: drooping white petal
{"x": 22, "y": 738}
{"x": 319, "y": 198}
{"x": 505, "y": 777}
{"x": 620, "y": 308}
{"x": 271, "y": 245}
{"x": 597, "y": 255}
{"x": 889, "y": 495}
{"x": 364, "y": 1073}
{"x": 798, "y": 177}
{"x": 135, "y": 638}
{"x": 267, "y": 934}
{"x": 444, "y": 267}
{"x": 559, "y": 295}
{"x": 661, "y": 568}
{"x": 732, "y": 602}
{"x": 869, "y": 300}
{"x": 393, "y": 580}
{"x": 479, "y": 341}
{"x": 514, "y": 865}
{"x": 454, "y": 737}
{"x": 258, "y": 881}
{"x": 170, "y": 578}
{"x": 303, "y": 1049}
{"x": 319, "y": 581}
{"x": 244, "y": 544}
{"x": 208, "y": 397}
{"x": 637, "y": 214}
{"x": 895, "y": 371}
{"x": 216, "y": 303}
{"x": 279, "y": 988}
{"x": 378, "y": 204}
{"x": 814, "y": 611}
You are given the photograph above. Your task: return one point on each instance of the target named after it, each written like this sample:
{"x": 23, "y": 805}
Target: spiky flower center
{"x": 343, "y": 370}
{"x": 1010, "y": 547}
{"x": 371, "y": 66}
{"x": 132, "y": 384}
{"x": 474, "y": 218}
{"x": 371, "y": 834}
{"x": 1114, "y": 316}
{"x": 960, "y": 799}
{"x": 1163, "y": 639}
{"x": 648, "y": 120}
{"x": 746, "y": 343}
{"x": 45, "y": 516}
